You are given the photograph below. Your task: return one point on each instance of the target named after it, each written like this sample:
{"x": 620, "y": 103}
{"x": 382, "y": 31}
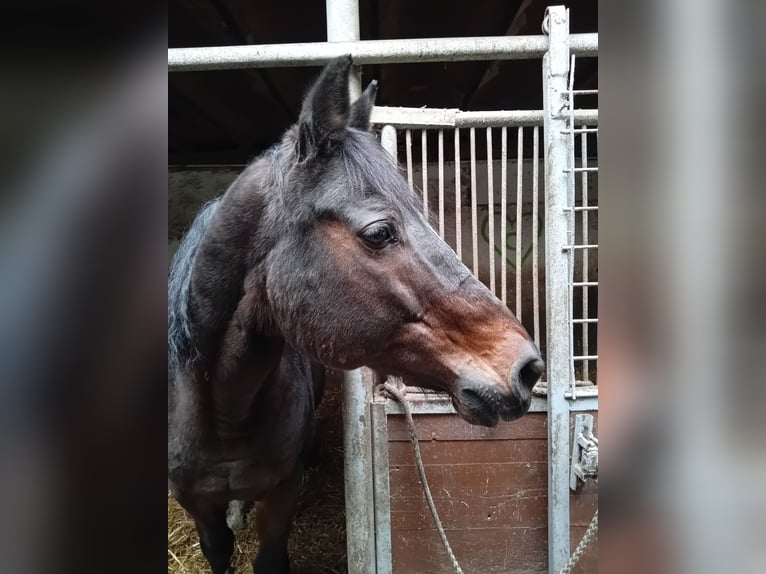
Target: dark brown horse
{"x": 317, "y": 254}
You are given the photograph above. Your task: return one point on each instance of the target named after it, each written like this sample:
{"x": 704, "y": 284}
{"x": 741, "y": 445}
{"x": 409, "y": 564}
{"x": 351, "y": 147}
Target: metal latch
{"x": 584, "y": 451}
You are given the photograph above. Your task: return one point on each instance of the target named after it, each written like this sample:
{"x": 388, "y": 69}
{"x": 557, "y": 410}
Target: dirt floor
{"x": 318, "y": 539}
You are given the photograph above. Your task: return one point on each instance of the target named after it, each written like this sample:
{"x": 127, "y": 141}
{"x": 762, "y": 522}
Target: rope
{"x": 399, "y": 396}
{"x": 587, "y": 538}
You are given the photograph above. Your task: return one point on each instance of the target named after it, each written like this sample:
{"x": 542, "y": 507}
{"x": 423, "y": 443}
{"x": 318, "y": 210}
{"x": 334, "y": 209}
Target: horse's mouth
{"x": 477, "y": 411}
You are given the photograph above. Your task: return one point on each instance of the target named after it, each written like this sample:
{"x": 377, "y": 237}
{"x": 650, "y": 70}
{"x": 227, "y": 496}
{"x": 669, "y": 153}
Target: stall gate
{"x": 536, "y": 249}
{"x": 527, "y": 245}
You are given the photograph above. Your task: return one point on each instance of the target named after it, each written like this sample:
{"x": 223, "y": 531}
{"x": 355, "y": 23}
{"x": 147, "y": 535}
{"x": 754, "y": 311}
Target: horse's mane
{"x": 180, "y": 346}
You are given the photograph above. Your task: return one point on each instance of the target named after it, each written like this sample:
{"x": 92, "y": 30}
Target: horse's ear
{"x": 326, "y": 106}
{"x": 359, "y": 116}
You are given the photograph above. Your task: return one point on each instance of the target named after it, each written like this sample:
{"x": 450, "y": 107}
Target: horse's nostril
{"x": 531, "y": 371}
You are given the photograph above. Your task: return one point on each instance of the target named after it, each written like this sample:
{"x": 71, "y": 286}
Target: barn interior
{"x": 220, "y": 120}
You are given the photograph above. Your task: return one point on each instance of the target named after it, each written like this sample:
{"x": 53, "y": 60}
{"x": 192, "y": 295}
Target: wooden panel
{"x": 490, "y": 488}
{"x": 458, "y": 452}
{"x": 451, "y": 427}
{"x": 485, "y": 550}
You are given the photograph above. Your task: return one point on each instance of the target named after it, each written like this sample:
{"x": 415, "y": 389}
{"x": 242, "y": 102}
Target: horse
{"x": 318, "y": 255}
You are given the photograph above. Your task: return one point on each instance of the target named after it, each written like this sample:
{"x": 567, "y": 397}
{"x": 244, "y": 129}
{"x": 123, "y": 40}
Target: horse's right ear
{"x": 325, "y": 108}
{"x": 359, "y": 117}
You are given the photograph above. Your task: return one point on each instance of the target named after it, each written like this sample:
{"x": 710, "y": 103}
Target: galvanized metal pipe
{"x": 504, "y": 214}
{"x": 556, "y": 146}
{"x": 535, "y": 233}
{"x": 452, "y": 117}
{"x": 342, "y": 27}
{"x": 491, "y": 212}
{"x": 519, "y": 214}
{"x": 342, "y": 21}
{"x": 474, "y": 201}
{"x": 458, "y": 199}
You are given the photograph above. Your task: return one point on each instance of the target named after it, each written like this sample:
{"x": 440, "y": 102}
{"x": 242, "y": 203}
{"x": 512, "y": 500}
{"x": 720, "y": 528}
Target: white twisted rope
{"x": 587, "y": 538}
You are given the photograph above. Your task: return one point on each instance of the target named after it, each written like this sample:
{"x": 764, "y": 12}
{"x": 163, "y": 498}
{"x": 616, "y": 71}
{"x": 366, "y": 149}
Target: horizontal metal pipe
{"x": 441, "y": 404}
{"x": 453, "y": 117}
{"x": 415, "y": 50}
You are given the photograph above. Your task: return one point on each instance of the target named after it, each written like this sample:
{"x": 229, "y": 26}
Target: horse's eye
{"x": 377, "y": 235}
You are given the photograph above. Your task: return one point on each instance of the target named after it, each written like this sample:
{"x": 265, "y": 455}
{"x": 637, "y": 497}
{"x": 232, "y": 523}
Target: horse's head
{"x": 358, "y": 277}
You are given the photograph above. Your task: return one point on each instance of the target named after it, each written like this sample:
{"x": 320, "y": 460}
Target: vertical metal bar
{"x": 474, "y": 200}
{"x": 424, "y": 157}
{"x": 441, "y": 183}
{"x": 504, "y": 215}
{"x": 388, "y": 140}
{"x": 585, "y": 310}
{"x": 343, "y": 25}
{"x": 535, "y": 233}
{"x": 556, "y": 145}
{"x": 519, "y": 214}
{"x": 408, "y": 142}
{"x": 458, "y": 199}
{"x": 382, "y": 487}
{"x": 379, "y": 439}
{"x": 491, "y": 212}
{"x": 357, "y": 455}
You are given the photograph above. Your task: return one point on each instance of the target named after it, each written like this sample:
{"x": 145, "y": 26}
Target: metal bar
{"x": 388, "y": 140}
{"x": 408, "y": 141}
{"x": 504, "y": 215}
{"x": 414, "y": 50}
{"x": 584, "y": 92}
{"x": 555, "y": 68}
{"x": 441, "y": 183}
{"x": 535, "y": 233}
{"x": 424, "y": 170}
{"x": 589, "y": 208}
{"x": 358, "y": 468}
{"x": 491, "y": 212}
{"x": 585, "y": 130}
{"x": 519, "y": 213}
{"x": 587, "y": 320}
{"x": 381, "y": 487}
{"x": 579, "y": 169}
{"x": 342, "y": 26}
{"x": 474, "y": 200}
{"x": 585, "y": 282}
{"x": 458, "y": 199}
{"x": 441, "y": 404}
{"x": 576, "y": 247}
{"x": 585, "y": 358}
{"x": 453, "y": 117}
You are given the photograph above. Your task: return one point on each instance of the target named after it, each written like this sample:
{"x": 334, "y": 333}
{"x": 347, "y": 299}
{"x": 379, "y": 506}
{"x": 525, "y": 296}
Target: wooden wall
{"x": 490, "y": 488}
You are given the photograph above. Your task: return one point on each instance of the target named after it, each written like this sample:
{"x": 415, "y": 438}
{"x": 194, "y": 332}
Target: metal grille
{"x": 582, "y": 245}
{"x": 483, "y": 196}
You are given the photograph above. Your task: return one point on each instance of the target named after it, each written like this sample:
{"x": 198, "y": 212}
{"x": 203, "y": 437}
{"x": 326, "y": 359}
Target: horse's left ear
{"x": 326, "y": 107}
{"x": 359, "y": 117}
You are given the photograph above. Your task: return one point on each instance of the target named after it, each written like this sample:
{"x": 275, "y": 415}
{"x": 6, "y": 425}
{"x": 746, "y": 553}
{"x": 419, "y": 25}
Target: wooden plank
{"x": 451, "y": 427}
{"x": 464, "y": 508}
{"x": 485, "y": 550}
{"x": 457, "y": 452}
{"x": 507, "y": 475}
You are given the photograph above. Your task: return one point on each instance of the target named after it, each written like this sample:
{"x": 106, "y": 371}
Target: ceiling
{"x": 230, "y": 116}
